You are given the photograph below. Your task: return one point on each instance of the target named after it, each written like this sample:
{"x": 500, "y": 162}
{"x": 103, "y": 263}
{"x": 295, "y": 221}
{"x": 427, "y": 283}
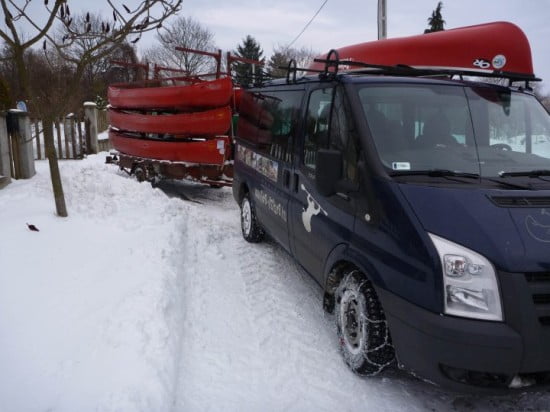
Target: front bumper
{"x": 472, "y": 355}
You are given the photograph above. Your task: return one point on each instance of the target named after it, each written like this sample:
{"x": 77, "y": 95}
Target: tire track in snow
{"x": 286, "y": 305}
{"x": 217, "y": 366}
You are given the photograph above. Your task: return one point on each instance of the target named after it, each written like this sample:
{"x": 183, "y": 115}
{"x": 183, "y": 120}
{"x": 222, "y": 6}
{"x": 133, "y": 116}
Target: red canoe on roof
{"x": 205, "y": 123}
{"x": 209, "y": 152}
{"x": 499, "y": 46}
{"x": 207, "y": 94}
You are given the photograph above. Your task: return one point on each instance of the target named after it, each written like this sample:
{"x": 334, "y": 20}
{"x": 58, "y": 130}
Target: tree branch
{"x": 42, "y": 32}
{"x": 9, "y": 22}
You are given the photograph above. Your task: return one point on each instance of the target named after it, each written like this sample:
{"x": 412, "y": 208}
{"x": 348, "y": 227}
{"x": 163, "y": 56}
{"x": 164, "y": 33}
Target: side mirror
{"x": 328, "y": 171}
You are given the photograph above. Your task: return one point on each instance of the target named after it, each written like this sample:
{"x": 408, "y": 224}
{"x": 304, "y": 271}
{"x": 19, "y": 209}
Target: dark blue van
{"x": 422, "y": 206}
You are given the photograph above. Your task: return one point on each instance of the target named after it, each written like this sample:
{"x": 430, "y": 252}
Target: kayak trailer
{"x": 176, "y": 127}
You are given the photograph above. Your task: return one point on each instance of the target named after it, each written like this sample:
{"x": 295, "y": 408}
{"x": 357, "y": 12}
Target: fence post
{"x": 5, "y": 164}
{"x": 90, "y": 119}
{"x": 22, "y": 142}
{"x": 70, "y": 138}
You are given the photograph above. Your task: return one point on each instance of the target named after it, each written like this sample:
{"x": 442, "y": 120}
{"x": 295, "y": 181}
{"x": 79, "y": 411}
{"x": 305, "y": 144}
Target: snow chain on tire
{"x": 363, "y": 332}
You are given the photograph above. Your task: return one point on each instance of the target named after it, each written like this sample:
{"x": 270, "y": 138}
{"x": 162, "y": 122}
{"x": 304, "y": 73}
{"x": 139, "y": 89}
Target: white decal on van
{"x": 313, "y": 209}
{"x": 271, "y": 204}
{"x": 536, "y": 229}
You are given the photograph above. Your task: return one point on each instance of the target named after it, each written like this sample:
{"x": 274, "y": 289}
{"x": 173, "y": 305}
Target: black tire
{"x": 141, "y": 173}
{"x": 252, "y": 231}
{"x": 363, "y": 334}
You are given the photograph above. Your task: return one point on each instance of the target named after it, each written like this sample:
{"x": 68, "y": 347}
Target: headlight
{"x": 469, "y": 282}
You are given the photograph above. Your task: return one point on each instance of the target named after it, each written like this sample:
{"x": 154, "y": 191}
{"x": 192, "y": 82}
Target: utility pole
{"x": 382, "y": 20}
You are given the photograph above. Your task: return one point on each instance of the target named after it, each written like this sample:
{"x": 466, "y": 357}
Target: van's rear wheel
{"x": 252, "y": 231}
{"x": 363, "y": 333}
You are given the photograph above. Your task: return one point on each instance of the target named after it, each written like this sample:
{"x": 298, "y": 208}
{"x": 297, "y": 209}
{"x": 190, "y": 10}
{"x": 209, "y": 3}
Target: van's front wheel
{"x": 252, "y": 231}
{"x": 363, "y": 333}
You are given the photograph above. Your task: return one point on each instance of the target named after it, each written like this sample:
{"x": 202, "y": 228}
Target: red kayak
{"x": 210, "y": 151}
{"x": 204, "y": 94}
{"x": 204, "y": 123}
{"x": 500, "y": 46}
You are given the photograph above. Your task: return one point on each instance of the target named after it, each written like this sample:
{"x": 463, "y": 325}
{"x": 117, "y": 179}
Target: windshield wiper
{"x": 509, "y": 184}
{"x": 435, "y": 173}
{"x": 452, "y": 173}
{"x": 527, "y": 173}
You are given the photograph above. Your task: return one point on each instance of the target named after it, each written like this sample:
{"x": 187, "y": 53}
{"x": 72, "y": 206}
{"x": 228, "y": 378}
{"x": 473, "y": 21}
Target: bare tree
{"x": 543, "y": 96}
{"x": 99, "y": 72}
{"x": 183, "y": 32}
{"x": 125, "y": 22}
{"x": 282, "y": 55}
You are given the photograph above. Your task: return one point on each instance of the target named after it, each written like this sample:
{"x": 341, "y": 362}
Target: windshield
{"x": 483, "y": 130}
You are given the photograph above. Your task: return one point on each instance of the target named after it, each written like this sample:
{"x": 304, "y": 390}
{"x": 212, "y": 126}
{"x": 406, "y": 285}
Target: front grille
{"x": 539, "y": 283}
{"x": 541, "y": 299}
{"x": 538, "y": 277}
{"x": 521, "y": 201}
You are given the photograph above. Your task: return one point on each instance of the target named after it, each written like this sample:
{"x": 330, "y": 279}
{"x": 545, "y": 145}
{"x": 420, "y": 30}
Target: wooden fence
{"x": 69, "y": 136}
{"x": 22, "y": 140}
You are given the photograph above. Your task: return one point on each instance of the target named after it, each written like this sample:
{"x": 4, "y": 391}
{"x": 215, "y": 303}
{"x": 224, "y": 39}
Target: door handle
{"x": 296, "y": 184}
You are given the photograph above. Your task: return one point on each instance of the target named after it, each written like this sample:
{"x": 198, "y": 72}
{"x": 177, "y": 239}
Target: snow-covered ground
{"x": 149, "y": 300}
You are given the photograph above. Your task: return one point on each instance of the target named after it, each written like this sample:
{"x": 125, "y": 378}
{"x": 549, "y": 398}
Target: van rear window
{"x": 268, "y": 120}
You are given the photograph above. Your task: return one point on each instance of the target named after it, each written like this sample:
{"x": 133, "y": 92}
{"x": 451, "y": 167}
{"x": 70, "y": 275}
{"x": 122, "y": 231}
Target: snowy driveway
{"x": 146, "y": 302}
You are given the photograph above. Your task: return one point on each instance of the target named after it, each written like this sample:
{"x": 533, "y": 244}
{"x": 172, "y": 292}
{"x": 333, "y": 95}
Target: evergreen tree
{"x": 245, "y": 73}
{"x": 436, "y": 21}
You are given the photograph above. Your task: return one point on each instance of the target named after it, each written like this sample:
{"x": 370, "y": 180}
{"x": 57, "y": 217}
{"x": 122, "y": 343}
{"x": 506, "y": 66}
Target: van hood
{"x": 509, "y": 227}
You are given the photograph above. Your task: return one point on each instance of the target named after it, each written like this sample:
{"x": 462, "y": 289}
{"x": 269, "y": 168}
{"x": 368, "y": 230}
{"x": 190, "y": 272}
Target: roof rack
{"x": 332, "y": 65}
{"x": 326, "y": 73}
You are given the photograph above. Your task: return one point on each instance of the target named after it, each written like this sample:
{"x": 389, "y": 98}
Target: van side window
{"x": 343, "y": 136}
{"x": 269, "y": 120}
{"x": 317, "y": 124}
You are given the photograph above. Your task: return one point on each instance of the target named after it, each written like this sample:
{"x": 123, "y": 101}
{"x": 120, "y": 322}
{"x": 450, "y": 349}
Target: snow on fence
{"x": 70, "y": 136}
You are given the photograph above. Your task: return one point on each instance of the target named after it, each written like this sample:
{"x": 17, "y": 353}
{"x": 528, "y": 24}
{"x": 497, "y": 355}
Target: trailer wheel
{"x": 363, "y": 333}
{"x": 252, "y": 231}
{"x": 141, "y": 173}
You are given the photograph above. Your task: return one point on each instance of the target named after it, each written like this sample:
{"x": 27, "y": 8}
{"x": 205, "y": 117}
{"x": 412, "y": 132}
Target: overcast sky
{"x": 342, "y": 23}
{"x": 354, "y": 21}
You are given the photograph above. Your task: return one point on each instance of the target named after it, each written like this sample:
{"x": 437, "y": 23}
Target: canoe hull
{"x": 499, "y": 46}
{"x": 210, "y": 151}
{"x": 204, "y": 123}
{"x": 207, "y": 94}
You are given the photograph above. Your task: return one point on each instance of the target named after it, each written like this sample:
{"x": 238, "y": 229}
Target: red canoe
{"x": 499, "y": 46}
{"x": 205, "y": 123}
{"x": 209, "y": 152}
{"x": 207, "y": 94}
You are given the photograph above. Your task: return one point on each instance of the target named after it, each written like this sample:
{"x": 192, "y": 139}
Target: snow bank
{"x": 89, "y": 305}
